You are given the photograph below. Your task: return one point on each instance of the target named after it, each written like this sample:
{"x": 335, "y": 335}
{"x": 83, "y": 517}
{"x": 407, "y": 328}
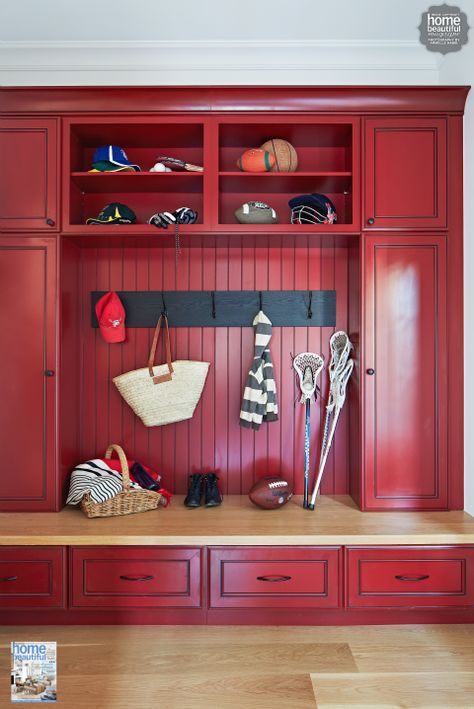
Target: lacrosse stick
{"x": 340, "y": 347}
{"x": 308, "y": 366}
{"x": 340, "y": 369}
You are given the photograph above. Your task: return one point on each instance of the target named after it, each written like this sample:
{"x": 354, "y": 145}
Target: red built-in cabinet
{"x": 391, "y": 161}
{"x": 28, "y": 379}
{"x": 405, "y": 372}
{"x": 29, "y": 177}
{"x": 405, "y": 173}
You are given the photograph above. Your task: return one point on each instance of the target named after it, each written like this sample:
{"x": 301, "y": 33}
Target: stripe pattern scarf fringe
{"x": 259, "y": 402}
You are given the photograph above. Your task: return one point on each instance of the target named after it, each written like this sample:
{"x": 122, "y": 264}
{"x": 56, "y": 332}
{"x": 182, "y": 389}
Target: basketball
{"x": 256, "y": 160}
{"x": 284, "y": 154}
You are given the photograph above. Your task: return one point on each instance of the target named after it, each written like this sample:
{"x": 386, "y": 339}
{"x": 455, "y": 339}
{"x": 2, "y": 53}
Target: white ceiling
{"x": 155, "y": 20}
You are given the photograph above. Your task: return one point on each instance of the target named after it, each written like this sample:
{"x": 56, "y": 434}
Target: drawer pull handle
{"x": 137, "y": 578}
{"x": 273, "y": 579}
{"x": 9, "y": 578}
{"x": 412, "y": 578}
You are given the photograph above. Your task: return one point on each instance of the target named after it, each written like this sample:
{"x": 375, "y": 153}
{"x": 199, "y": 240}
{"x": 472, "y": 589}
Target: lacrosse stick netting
{"x": 308, "y": 366}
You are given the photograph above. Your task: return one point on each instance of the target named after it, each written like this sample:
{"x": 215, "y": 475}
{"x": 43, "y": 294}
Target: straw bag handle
{"x": 123, "y": 462}
{"x": 151, "y": 359}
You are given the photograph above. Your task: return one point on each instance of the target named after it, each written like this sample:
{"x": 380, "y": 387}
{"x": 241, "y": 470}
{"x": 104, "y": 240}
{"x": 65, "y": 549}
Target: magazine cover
{"x": 33, "y": 676}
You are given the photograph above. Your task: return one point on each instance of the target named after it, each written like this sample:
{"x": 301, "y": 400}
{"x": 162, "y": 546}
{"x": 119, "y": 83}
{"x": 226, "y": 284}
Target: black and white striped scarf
{"x": 95, "y": 477}
{"x": 259, "y": 402}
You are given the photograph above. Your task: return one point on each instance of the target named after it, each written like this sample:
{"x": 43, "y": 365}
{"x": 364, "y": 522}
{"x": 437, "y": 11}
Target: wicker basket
{"x": 126, "y": 502}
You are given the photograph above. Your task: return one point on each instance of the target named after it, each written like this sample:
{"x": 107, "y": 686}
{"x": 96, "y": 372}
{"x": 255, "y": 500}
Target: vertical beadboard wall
{"x": 213, "y": 439}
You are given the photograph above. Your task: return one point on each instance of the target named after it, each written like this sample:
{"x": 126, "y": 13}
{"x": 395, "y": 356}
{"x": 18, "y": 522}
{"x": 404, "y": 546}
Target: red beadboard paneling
{"x": 213, "y": 439}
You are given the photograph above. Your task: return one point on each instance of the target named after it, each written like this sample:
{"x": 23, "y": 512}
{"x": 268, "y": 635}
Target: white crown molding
{"x": 229, "y": 62}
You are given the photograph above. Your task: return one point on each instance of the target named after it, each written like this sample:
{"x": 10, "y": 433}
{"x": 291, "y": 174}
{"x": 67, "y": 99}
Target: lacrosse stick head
{"x": 341, "y": 347}
{"x": 308, "y": 366}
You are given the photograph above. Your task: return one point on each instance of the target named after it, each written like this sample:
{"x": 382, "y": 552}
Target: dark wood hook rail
{"x": 225, "y": 308}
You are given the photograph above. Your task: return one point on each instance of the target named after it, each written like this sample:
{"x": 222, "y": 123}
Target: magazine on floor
{"x": 33, "y": 677}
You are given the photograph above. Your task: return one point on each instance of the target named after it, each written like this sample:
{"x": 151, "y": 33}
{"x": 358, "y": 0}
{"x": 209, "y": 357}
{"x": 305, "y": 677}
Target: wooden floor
{"x": 183, "y": 667}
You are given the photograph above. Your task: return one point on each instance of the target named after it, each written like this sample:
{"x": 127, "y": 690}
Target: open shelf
{"x": 236, "y": 189}
{"x": 143, "y": 141}
{"x": 320, "y": 147}
{"x": 145, "y": 192}
{"x": 144, "y": 203}
{"x": 327, "y": 164}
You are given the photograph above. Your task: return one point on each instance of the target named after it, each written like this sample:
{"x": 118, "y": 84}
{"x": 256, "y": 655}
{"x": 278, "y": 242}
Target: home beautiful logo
{"x": 443, "y": 29}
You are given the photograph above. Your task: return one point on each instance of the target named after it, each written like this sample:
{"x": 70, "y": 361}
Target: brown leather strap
{"x": 151, "y": 359}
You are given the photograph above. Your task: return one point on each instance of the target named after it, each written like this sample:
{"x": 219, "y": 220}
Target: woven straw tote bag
{"x": 165, "y": 393}
{"x": 126, "y": 502}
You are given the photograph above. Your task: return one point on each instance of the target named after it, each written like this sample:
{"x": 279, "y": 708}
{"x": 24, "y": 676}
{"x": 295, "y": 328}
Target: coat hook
{"x": 213, "y": 298}
{"x": 164, "y": 311}
{"x": 310, "y": 312}
{"x": 260, "y": 300}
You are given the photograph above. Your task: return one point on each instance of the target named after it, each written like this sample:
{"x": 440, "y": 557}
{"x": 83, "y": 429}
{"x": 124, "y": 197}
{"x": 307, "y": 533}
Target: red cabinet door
{"x": 405, "y": 172}
{"x": 405, "y": 373}
{"x": 28, "y": 178}
{"x": 27, "y": 413}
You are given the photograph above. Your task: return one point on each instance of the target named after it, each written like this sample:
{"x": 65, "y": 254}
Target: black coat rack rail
{"x": 225, "y": 308}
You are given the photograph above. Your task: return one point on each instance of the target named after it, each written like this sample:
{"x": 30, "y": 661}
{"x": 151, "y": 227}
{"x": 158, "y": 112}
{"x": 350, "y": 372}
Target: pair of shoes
{"x": 203, "y": 484}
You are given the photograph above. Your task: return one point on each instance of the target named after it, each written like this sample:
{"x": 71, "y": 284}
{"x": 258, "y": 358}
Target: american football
{"x": 256, "y": 160}
{"x": 271, "y": 492}
{"x": 256, "y": 213}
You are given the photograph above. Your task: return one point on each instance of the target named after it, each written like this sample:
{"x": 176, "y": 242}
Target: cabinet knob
{"x": 370, "y": 371}
{"x": 50, "y": 222}
{"x": 49, "y": 373}
{"x": 371, "y": 221}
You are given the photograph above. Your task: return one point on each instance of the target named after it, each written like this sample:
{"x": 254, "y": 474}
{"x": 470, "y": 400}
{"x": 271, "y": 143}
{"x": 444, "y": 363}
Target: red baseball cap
{"x": 111, "y": 316}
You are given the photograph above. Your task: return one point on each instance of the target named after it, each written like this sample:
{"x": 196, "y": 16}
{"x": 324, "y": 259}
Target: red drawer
{"x": 272, "y": 577}
{"x": 126, "y": 577}
{"x": 32, "y": 577}
{"x": 409, "y": 576}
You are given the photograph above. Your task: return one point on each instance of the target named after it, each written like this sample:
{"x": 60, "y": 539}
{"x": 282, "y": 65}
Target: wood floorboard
{"x": 394, "y": 690}
{"x": 251, "y": 659}
{"x": 255, "y": 667}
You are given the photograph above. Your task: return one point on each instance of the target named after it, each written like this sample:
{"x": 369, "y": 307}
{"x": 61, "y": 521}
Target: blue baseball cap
{"x": 113, "y": 154}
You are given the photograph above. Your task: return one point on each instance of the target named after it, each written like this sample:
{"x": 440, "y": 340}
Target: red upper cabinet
{"x": 28, "y": 179}
{"x": 405, "y": 373}
{"x": 405, "y": 173}
{"x": 27, "y": 381}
